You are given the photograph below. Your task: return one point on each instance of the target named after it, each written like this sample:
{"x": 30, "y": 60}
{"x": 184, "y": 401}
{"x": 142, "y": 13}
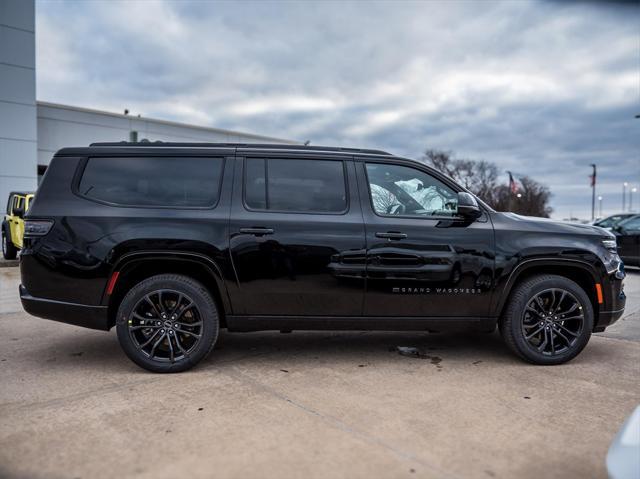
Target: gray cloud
{"x": 543, "y": 88}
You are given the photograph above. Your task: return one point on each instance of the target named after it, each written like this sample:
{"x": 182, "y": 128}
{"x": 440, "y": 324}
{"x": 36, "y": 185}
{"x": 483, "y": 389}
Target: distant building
{"x": 32, "y": 131}
{"x": 60, "y": 126}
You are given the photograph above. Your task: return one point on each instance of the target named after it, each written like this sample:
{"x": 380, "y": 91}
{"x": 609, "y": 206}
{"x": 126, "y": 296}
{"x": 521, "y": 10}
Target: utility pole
{"x": 593, "y": 193}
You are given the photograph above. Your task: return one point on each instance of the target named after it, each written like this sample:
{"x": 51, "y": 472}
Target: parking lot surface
{"x": 309, "y": 404}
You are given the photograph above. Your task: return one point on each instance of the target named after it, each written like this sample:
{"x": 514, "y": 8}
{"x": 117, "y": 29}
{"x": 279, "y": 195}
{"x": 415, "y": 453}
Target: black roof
{"x": 21, "y": 193}
{"x": 244, "y": 146}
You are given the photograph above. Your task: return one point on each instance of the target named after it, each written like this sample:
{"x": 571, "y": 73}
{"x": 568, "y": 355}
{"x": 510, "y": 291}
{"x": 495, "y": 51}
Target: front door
{"x": 15, "y": 221}
{"x": 297, "y": 238}
{"x": 422, "y": 258}
{"x": 628, "y": 238}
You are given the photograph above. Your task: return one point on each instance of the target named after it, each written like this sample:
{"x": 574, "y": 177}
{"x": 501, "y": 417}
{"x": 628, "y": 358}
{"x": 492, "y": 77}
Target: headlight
{"x": 610, "y": 244}
{"x": 37, "y": 227}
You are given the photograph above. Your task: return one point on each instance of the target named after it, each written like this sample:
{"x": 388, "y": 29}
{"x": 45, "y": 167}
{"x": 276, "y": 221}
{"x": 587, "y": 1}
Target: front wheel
{"x": 548, "y": 320}
{"x": 167, "y": 323}
{"x": 9, "y": 251}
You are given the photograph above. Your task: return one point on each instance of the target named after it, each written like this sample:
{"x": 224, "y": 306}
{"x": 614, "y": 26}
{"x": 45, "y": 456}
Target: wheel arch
{"x": 578, "y": 271}
{"x": 135, "y": 267}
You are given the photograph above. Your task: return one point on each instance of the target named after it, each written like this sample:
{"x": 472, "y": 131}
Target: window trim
{"x": 75, "y": 188}
{"x": 295, "y": 212}
{"x": 455, "y": 217}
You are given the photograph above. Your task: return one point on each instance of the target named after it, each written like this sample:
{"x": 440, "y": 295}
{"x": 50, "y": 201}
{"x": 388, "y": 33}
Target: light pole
{"x": 599, "y": 206}
{"x": 624, "y": 195}
{"x": 633, "y": 190}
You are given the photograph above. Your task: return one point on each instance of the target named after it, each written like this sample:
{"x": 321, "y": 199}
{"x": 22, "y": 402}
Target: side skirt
{"x": 362, "y": 323}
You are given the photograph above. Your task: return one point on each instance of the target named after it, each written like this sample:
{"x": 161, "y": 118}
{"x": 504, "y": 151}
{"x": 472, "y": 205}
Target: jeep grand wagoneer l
{"x": 170, "y": 242}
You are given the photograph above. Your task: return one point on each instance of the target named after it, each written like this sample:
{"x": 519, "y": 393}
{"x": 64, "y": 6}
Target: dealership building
{"x": 32, "y": 131}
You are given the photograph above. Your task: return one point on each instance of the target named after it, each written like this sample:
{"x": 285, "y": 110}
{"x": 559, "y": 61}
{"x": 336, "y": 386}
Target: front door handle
{"x": 392, "y": 235}
{"x": 257, "y": 231}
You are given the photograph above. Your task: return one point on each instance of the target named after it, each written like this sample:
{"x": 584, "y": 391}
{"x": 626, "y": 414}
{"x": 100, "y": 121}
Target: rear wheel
{"x": 548, "y": 320}
{"x": 9, "y": 251}
{"x": 167, "y": 323}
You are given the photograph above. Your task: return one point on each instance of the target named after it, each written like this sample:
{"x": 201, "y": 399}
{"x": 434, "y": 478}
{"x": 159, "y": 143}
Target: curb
{"x": 9, "y": 263}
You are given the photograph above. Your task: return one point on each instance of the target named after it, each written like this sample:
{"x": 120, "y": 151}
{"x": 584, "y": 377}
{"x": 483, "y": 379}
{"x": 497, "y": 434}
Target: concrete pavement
{"x": 315, "y": 404}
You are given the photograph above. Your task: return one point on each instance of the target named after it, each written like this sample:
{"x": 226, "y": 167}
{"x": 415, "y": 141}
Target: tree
{"x": 481, "y": 178}
{"x": 533, "y": 200}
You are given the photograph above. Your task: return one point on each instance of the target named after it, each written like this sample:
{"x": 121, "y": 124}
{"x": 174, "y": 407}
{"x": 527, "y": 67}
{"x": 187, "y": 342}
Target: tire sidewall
{"x": 202, "y": 300}
{"x": 9, "y": 251}
{"x": 529, "y": 291}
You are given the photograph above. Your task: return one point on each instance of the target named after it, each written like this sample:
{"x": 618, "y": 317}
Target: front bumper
{"x": 615, "y": 300}
{"x": 94, "y": 317}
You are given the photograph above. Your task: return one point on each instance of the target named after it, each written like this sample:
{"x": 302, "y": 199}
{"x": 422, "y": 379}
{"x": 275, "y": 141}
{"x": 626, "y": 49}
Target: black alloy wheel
{"x": 167, "y": 323}
{"x": 548, "y": 320}
{"x": 552, "y": 321}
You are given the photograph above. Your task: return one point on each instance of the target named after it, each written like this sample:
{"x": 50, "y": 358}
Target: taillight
{"x": 37, "y": 227}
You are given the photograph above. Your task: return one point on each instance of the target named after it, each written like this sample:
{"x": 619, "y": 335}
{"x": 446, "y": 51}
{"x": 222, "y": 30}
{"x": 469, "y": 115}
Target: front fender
{"x": 505, "y": 286}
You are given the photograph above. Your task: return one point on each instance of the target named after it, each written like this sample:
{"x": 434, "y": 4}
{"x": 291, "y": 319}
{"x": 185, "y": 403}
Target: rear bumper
{"x": 94, "y": 317}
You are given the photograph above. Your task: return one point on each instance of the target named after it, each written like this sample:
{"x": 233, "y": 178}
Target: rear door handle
{"x": 257, "y": 231}
{"x": 391, "y": 235}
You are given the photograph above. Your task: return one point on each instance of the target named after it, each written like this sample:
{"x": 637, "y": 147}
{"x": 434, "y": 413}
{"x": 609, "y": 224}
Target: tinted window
{"x": 316, "y": 186}
{"x": 632, "y": 225}
{"x": 612, "y": 221}
{"x": 189, "y": 182}
{"x": 401, "y": 190}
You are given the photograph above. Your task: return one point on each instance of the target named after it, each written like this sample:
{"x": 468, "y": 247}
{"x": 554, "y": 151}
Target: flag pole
{"x": 512, "y": 188}
{"x": 593, "y": 193}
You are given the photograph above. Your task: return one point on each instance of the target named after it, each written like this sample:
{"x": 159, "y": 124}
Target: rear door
{"x": 422, "y": 259}
{"x": 297, "y": 237}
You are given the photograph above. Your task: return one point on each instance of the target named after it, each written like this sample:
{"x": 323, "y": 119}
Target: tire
{"x": 181, "y": 338}
{"x": 534, "y": 315}
{"x": 9, "y": 251}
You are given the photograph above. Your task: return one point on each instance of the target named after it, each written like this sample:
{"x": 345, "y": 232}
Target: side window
{"x": 405, "y": 191}
{"x": 150, "y": 182}
{"x": 632, "y": 226}
{"x": 304, "y": 186}
{"x": 10, "y": 204}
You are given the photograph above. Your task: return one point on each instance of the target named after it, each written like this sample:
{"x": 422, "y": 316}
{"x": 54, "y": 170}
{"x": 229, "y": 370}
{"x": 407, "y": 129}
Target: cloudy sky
{"x": 542, "y": 88}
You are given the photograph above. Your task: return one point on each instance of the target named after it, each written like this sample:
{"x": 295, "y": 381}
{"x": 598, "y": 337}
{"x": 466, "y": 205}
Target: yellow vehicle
{"x": 13, "y": 224}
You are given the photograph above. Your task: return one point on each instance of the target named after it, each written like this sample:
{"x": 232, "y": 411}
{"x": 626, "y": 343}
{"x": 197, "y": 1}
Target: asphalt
{"x": 309, "y": 404}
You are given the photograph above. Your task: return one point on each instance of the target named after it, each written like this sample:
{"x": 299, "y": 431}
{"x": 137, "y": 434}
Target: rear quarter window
{"x": 153, "y": 182}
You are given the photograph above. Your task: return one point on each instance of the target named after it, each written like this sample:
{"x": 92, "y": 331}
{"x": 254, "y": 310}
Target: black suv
{"x": 170, "y": 242}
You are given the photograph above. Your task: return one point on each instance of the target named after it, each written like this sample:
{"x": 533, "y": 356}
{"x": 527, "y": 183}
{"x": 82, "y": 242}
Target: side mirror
{"x": 468, "y": 206}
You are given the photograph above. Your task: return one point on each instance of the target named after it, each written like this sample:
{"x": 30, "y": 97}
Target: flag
{"x": 592, "y": 177}
{"x": 513, "y": 186}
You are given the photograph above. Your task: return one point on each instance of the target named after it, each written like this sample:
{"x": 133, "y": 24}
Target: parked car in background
{"x": 169, "y": 242}
{"x": 13, "y": 223}
{"x": 610, "y": 221}
{"x": 628, "y": 236}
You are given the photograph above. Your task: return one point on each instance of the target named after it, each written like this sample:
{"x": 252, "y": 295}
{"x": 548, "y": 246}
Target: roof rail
{"x": 275, "y": 146}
